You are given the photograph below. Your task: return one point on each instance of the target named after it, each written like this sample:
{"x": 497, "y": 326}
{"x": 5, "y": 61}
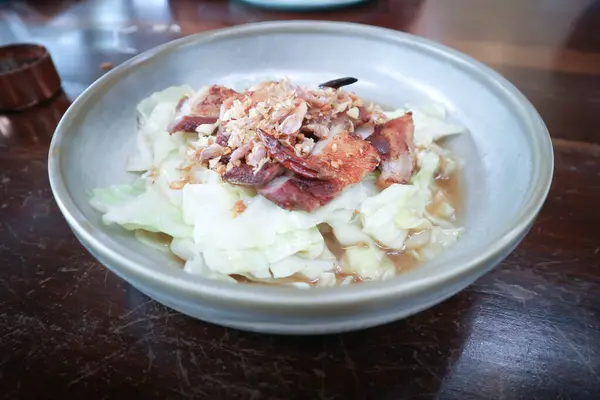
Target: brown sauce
{"x": 452, "y": 188}
{"x": 402, "y": 260}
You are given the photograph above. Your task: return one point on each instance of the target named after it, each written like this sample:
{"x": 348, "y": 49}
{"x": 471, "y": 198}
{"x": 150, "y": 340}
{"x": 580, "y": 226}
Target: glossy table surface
{"x": 528, "y": 330}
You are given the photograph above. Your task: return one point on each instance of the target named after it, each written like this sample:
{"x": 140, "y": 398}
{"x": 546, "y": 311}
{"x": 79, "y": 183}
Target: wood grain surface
{"x": 528, "y": 330}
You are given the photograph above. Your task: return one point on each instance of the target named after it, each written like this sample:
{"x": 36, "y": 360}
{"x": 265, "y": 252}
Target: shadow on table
{"x": 406, "y": 359}
{"x": 412, "y": 358}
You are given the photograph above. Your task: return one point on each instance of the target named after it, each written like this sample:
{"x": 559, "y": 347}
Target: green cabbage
{"x": 247, "y": 244}
{"x": 368, "y": 263}
{"x": 441, "y": 239}
{"x": 134, "y": 209}
{"x": 105, "y": 198}
{"x": 153, "y": 143}
{"x": 169, "y": 96}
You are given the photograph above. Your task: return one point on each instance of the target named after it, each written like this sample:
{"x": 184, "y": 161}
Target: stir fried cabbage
{"x": 266, "y": 242}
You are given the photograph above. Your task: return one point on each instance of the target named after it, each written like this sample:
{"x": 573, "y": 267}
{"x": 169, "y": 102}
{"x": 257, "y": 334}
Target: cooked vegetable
{"x": 246, "y": 183}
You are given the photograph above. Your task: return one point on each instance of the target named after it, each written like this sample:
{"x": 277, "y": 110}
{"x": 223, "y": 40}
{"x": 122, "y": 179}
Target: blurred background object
{"x": 27, "y": 76}
{"x": 303, "y": 5}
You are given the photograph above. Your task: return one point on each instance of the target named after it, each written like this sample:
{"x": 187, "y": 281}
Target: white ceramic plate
{"x": 507, "y": 155}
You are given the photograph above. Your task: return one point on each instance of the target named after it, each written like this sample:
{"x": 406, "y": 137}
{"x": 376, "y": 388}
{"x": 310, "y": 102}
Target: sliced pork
{"x": 245, "y": 175}
{"x": 394, "y": 142}
{"x": 323, "y": 140}
{"x": 286, "y": 155}
{"x": 288, "y": 194}
{"x": 344, "y": 157}
{"x": 341, "y": 161}
{"x": 202, "y": 108}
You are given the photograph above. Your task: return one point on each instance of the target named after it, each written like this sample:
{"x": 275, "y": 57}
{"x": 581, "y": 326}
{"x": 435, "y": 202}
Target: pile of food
{"x": 284, "y": 184}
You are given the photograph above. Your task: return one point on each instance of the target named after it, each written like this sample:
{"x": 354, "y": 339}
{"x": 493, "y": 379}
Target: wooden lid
{"x": 27, "y": 76}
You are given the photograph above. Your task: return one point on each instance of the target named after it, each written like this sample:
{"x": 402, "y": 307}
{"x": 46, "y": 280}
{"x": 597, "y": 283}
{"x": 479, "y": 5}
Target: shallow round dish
{"x": 507, "y": 157}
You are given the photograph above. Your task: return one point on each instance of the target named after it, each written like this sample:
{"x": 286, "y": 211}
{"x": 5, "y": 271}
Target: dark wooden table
{"x": 528, "y": 330}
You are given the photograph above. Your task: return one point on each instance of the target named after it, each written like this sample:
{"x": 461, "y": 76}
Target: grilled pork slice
{"x": 334, "y": 163}
{"x": 287, "y": 193}
{"x": 201, "y": 108}
{"x": 244, "y": 175}
{"x": 394, "y": 142}
{"x": 343, "y": 157}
